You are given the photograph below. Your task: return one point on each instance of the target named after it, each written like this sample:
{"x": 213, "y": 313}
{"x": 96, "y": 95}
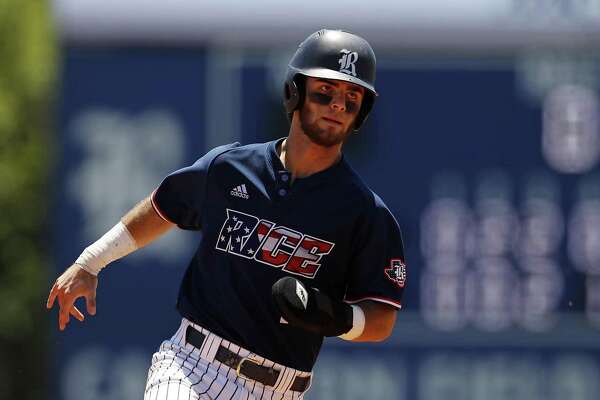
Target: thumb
{"x": 90, "y": 302}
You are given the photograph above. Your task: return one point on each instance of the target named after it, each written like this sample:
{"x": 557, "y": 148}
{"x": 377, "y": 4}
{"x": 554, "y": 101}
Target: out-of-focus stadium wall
{"x": 484, "y": 142}
{"x": 431, "y": 24}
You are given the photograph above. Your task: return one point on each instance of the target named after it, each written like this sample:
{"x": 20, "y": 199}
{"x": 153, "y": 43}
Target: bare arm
{"x": 380, "y": 319}
{"x": 143, "y": 224}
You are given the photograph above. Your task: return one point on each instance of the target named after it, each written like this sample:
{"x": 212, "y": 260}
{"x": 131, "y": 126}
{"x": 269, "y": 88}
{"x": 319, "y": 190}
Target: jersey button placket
{"x": 283, "y": 183}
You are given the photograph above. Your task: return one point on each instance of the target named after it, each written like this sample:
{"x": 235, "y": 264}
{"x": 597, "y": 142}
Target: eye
{"x": 352, "y": 96}
{"x": 324, "y": 88}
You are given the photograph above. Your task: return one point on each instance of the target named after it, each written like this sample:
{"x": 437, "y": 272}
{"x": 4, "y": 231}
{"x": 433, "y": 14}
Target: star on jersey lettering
{"x": 275, "y": 245}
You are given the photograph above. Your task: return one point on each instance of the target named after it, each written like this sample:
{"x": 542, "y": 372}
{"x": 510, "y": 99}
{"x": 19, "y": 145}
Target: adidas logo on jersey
{"x": 240, "y": 191}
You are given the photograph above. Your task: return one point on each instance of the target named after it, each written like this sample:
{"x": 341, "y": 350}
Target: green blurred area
{"x": 28, "y": 62}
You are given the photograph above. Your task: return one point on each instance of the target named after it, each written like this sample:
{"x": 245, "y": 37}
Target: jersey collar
{"x": 275, "y": 167}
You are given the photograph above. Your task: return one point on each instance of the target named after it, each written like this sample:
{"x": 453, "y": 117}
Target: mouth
{"x": 332, "y": 121}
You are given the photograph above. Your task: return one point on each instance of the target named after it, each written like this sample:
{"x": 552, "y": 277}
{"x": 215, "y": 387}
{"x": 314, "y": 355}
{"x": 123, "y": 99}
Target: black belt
{"x": 245, "y": 367}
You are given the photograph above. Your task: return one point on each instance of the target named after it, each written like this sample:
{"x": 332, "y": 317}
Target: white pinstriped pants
{"x": 179, "y": 371}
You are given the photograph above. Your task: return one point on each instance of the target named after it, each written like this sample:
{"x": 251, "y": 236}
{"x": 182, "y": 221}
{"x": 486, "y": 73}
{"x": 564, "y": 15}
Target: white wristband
{"x": 115, "y": 243}
{"x": 358, "y": 324}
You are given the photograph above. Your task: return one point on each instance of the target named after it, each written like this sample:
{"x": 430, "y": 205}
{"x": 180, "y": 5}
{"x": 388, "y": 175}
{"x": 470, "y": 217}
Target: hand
{"x": 71, "y": 285}
{"x": 308, "y": 308}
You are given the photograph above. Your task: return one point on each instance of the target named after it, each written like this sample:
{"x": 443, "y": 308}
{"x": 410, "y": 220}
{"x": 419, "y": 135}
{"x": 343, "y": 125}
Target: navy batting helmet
{"x": 332, "y": 54}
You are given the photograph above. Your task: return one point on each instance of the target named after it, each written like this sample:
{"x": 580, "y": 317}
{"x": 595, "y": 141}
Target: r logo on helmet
{"x": 347, "y": 61}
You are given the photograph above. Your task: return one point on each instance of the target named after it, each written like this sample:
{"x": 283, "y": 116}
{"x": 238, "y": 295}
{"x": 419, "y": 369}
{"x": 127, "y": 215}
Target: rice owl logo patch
{"x": 396, "y": 272}
{"x": 347, "y": 61}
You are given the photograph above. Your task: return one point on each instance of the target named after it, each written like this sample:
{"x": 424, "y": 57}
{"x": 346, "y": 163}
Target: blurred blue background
{"x": 484, "y": 143}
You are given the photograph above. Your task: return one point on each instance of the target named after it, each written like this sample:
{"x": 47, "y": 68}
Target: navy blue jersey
{"x": 328, "y": 230}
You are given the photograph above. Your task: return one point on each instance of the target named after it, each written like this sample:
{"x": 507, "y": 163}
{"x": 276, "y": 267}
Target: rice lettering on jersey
{"x": 247, "y": 236}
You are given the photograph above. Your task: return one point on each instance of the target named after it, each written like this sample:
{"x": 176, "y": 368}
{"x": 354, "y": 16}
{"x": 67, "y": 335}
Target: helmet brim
{"x": 334, "y": 75}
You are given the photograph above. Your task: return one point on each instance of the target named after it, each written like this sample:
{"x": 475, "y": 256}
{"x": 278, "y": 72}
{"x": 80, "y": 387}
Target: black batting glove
{"x": 307, "y": 308}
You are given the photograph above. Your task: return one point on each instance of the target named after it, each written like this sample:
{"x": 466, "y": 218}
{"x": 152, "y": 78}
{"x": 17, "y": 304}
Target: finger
{"x": 52, "y": 296}
{"x": 63, "y": 319}
{"x": 90, "y": 302}
{"x": 62, "y": 322}
{"x": 63, "y": 315}
{"x": 76, "y": 313}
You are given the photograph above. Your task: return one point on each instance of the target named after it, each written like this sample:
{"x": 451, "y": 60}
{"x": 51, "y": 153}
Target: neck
{"x": 302, "y": 157}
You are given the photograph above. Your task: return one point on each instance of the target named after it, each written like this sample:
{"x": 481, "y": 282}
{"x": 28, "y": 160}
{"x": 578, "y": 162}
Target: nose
{"x": 338, "y": 102}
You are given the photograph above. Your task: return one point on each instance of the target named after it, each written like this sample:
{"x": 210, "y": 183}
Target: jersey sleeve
{"x": 378, "y": 270}
{"x": 180, "y": 196}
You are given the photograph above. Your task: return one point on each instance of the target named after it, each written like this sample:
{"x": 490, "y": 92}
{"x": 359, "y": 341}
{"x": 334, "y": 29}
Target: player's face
{"x": 331, "y": 106}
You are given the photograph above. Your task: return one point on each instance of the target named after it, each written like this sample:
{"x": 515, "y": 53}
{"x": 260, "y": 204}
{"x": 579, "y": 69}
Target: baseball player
{"x": 295, "y": 247}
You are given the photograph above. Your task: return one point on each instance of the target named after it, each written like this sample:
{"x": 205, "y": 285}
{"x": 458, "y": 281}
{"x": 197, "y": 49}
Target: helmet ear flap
{"x": 293, "y": 94}
{"x": 365, "y": 109}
